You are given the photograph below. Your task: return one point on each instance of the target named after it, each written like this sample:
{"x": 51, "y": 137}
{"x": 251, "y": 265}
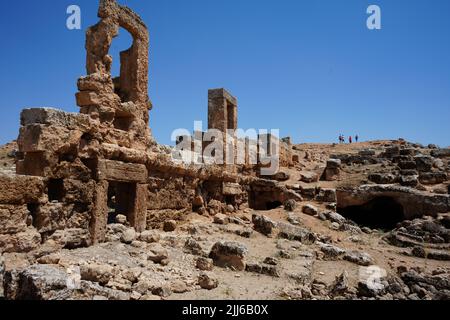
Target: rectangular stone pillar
{"x": 222, "y": 116}
{"x": 222, "y": 110}
{"x": 99, "y": 213}
{"x": 138, "y": 215}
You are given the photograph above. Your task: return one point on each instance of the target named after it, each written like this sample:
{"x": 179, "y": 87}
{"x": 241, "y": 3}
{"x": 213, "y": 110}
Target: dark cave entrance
{"x": 264, "y": 200}
{"x": 231, "y": 200}
{"x": 273, "y": 205}
{"x": 56, "y": 190}
{"x": 121, "y": 200}
{"x": 380, "y": 213}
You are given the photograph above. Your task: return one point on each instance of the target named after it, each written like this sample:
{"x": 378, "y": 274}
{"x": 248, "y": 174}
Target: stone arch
{"x": 134, "y": 61}
{"x": 122, "y": 102}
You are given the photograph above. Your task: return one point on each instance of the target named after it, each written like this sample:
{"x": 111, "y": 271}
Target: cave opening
{"x": 230, "y": 200}
{"x": 380, "y": 213}
{"x": 270, "y": 205}
{"x": 56, "y": 190}
{"x": 123, "y": 122}
{"x": 33, "y": 209}
{"x": 264, "y": 200}
{"x": 121, "y": 200}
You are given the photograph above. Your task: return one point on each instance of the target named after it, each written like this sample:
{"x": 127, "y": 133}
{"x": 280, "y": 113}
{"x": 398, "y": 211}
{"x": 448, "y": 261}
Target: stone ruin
{"x": 99, "y": 177}
{"x": 77, "y": 172}
{"x": 244, "y": 155}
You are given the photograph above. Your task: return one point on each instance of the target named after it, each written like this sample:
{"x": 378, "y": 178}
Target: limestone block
{"x": 17, "y": 189}
{"x": 120, "y": 171}
{"x": 13, "y": 218}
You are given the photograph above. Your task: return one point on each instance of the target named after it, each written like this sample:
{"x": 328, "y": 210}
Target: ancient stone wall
{"x": 77, "y": 172}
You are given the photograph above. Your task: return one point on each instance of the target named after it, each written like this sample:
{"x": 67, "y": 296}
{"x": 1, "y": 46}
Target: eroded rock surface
{"x": 97, "y": 209}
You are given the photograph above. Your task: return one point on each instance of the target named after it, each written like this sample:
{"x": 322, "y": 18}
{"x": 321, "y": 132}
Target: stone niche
{"x": 121, "y": 189}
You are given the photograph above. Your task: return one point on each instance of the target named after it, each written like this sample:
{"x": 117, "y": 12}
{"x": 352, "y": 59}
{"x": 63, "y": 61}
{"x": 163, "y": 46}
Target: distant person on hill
{"x": 350, "y": 139}
{"x": 356, "y": 138}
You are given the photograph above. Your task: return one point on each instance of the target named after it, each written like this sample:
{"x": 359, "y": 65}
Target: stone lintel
{"x": 222, "y": 93}
{"x": 122, "y": 172}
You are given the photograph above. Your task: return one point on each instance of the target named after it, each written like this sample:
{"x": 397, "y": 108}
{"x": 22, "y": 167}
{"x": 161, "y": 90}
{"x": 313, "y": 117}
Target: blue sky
{"x": 310, "y": 68}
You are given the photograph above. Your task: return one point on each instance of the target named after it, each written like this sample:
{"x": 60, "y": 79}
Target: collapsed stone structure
{"x": 98, "y": 180}
{"x": 222, "y": 144}
{"x": 76, "y": 172}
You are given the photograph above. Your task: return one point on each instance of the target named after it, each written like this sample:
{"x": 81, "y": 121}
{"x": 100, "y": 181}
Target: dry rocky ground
{"x": 298, "y": 250}
{"x": 91, "y": 207}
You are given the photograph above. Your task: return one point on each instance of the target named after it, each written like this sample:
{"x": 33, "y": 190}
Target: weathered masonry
{"x": 77, "y": 172}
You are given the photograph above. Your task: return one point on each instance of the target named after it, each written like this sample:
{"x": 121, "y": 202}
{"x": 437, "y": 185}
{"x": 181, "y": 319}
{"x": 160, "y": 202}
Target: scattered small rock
{"x": 193, "y": 247}
{"x": 221, "y": 219}
{"x": 170, "y": 226}
{"x": 322, "y": 216}
{"x": 128, "y": 236}
{"x": 366, "y": 230}
{"x": 158, "y": 254}
{"x": 294, "y": 219}
{"x": 204, "y": 264}
{"x": 178, "y": 286}
{"x": 340, "y": 284}
{"x": 335, "y": 217}
{"x": 360, "y": 258}
{"x": 310, "y": 210}
{"x": 207, "y": 281}
{"x": 419, "y": 252}
{"x": 263, "y": 224}
{"x": 121, "y": 219}
{"x": 290, "y": 205}
{"x": 335, "y": 226}
{"x": 284, "y": 254}
{"x": 149, "y": 236}
{"x": 262, "y": 268}
{"x": 229, "y": 254}
{"x": 309, "y": 177}
{"x": 300, "y": 234}
{"x": 271, "y": 260}
{"x": 163, "y": 292}
{"x": 230, "y": 208}
{"x": 331, "y": 252}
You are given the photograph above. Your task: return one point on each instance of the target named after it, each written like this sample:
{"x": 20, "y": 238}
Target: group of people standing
{"x": 350, "y": 139}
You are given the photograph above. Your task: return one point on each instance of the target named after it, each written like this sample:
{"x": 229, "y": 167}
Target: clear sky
{"x": 310, "y": 68}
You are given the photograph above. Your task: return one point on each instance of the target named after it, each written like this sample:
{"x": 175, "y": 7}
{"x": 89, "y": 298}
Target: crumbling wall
{"x": 123, "y": 102}
{"x": 171, "y": 192}
{"x": 76, "y": 172}
{"x": 18, "y": 196}
{"x": 286, "y": 153}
